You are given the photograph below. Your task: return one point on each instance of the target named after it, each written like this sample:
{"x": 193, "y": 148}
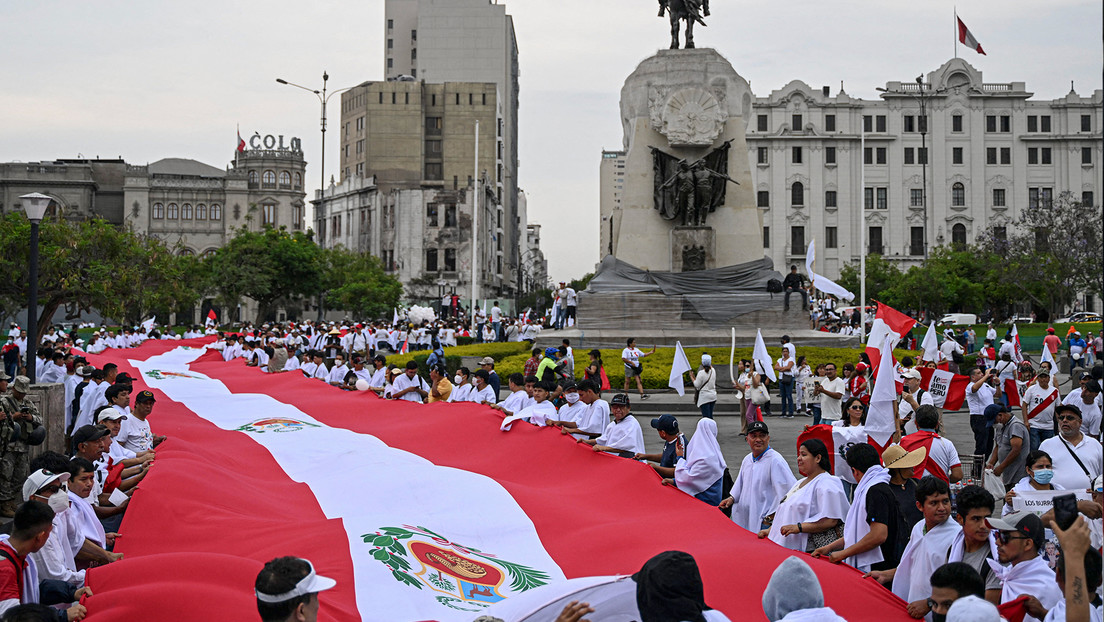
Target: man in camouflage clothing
{"x": 18, "y": 417}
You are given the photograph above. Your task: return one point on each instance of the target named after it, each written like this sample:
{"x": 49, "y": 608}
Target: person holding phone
{"x": 631, "y": 356}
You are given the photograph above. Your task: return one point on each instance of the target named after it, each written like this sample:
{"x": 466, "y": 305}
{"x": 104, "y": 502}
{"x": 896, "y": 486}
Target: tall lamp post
{"x": 34, "y": 205}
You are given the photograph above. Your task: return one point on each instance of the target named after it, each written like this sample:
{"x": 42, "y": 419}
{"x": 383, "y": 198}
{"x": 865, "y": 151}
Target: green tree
{"x": 357, "y": 283}
{"x": 92, "y": 264}
{"x": 1054, "y": 251}
{"x": 947, "y": 281}
{"x": 881, "y": 276}
{"x": 269, "y": 266}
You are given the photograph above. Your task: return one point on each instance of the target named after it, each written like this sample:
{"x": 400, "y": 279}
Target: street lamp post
{"x": 34, "y": 205}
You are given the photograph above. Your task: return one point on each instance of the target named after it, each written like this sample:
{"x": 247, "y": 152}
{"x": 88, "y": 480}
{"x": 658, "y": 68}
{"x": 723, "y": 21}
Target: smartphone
{"x": 1065, "y": 510}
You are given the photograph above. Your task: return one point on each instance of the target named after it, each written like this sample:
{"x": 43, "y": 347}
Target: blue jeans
{"x": 1038, "y": 436}
{"x": 785, "y": 387}
{"x": 815, "y": 408}
{"x": 707, "y": 411}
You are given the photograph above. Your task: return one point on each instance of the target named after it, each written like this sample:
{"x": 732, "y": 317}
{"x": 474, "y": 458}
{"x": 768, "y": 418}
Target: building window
{"x": 1032, "y": 155}
{"x": 1005, "y": 124}
{"x": 797, "y": 193}
{"x": 201, "y": 212}
{"x": 158, "y": 211}
{"x": 1033, "y": 198}
{"x": 1044, "y": 123}
{"x": 998, "y": 197}
{"x": 956, "y": 123}
{"x": 298, "y": 181}
{"x": 796, "y": 155}
{"x": 991, "y": 155}
{"x": 431, "y": 260}
{"x": 433, "y": 125}
{"x": 433, "y": 171}
{"x": 285, "y": 180}
{"x": 958, "y": 195}
{"x": 880, "y": 155}
{"x": 868, "y": 198}
{"x": 830, "y": 237}
{"x": 1087, "y": 198}
{"x": 1032, "y": 123}
{"x": 1000, "y": 233}
{"x": 909, "y": 123}
{"x": 268, "y": 211}
{"x": 916, "y": 197}
{"x": 990, "y": 123}
{"x": 174, "y": 212}
{"x": 1044, "y": 155}
{"x": 797, "y": 240}
{"x": 254, "y": 179}
{"x": 795, "y": 123}
{"x": 956, "y": 155}
{"x": 1006, "y": 155}
{"x": 916, "y": 241}
{"x": 922, "y": 155}
{"x": 390, "y": 24}
{"x": 830, "y": 198}
{"x": 1086, "y": 123}
{"x": 910, "y": 156}
{"x": 433, "y": 148}
{"x": 216, "y": 212}
{"x": 880, "y": 123}
{"x": 1086, "y": 155}
{"x": 413, "y": 35}
{"x": 868, "y": 123}
{"x": 829, "y": 155}
{"x": 268, "y": 180}
{"x": 762, "y": 155}
{"x": 450, "y": 215}
{"x": 186, "y": 211}
{"x": 868, "y": 155}
{"x": 450, "y": 260}
{"x": 296, "y": 216}
{"x": 874, "y": 246}
{"x": 883, "y": 198}
{"x": 431, "y": 214}
{"x": 762, "y": 198}
{"x": 958, "y": 236}
{"x": 829, "y": 123}
{"x": 766, "y": 236}
{"x": 761, "y": 123}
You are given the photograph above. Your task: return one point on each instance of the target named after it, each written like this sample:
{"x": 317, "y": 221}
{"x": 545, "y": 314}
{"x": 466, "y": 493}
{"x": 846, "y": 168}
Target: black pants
{"x": 983, "y": 437}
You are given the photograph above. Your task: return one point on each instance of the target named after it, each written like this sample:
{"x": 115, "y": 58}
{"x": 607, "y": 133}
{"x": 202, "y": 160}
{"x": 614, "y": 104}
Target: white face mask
{"x": 571, "y": 397}
{"x": 59, "y": 501}
{"x": 458, "y": 379}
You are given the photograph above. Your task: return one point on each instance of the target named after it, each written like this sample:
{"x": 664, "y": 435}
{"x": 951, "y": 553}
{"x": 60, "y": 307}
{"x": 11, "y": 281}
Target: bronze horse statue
{"x": 689, "y": 10}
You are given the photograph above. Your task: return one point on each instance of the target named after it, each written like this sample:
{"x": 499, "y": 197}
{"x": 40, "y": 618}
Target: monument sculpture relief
{"x": 689, "y": 191}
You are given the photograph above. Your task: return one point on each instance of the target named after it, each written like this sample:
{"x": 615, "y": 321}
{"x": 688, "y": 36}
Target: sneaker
{"x": 644, "y": 397}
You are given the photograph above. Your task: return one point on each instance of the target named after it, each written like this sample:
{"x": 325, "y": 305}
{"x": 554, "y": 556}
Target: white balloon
{"x": 362, "y": 385}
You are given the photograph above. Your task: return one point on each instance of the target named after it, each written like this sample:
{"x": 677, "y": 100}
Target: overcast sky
{"x": 149, "y": 80}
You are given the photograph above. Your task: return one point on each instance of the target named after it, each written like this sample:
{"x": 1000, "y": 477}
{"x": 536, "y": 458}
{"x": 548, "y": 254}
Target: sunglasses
{"x": 1004, "y": 537}
{"x": 855, "y": 407}
{"x": 1068, "y": 418}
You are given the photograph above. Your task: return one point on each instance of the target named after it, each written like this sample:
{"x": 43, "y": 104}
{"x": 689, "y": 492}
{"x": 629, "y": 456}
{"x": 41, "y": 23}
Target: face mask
{"x": 59, "y": 501}
{"x": 571, "y": 398}
{"x": 939, "y": 617}
{"x": 458, "y": 379}
{"x": 1043, "y": 476}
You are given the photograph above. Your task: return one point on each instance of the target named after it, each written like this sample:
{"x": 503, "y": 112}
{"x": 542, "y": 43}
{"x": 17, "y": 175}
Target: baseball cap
{"x": 86, "y": 371}
{"x": 1023, "y": 522}
{"x": 1042, "y": 371}
{"x": 486, "y": 360}
{"x": 757, "y": 426}
{"x": 621, "y": 399}
{"x": 123, "y": 377}
{"x": 550, "y": 351}
{"x": 863, "y": 367}
{"x": 40, "y": 478}
{"x": 991, "y": 412}
{"x": 973, "y": 609}
{"x": 897, "y": 457}
{"x": 910, "y": 373}
{"x": 89, "y": 432}
{"x": 310, "y": 584}
{"x": 666, "y": 423}
{"x": 144, "y": 396}
{"x": 112, "y": 414}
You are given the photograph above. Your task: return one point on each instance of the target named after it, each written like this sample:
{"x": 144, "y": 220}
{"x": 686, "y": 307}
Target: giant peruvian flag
{"x": 948, "y": 390}
{"x": 420, "y": 512}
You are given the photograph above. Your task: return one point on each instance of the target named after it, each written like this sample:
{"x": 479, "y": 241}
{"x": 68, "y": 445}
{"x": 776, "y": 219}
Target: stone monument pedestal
{"x": 693, "y": 248}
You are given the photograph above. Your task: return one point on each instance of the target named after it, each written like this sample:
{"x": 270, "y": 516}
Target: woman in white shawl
{"x": 812, "y": 512}
{"x": 700, "y": 472}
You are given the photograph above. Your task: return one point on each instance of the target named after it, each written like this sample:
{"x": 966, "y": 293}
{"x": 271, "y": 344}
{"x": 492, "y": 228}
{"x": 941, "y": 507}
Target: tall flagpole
{"x": 475, "y": 232}
{"x": 956, "y": 30}
{"x": 862, "y": 235}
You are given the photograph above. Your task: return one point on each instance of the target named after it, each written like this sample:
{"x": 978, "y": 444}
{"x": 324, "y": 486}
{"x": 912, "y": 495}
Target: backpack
{"x": 774, "y": 286}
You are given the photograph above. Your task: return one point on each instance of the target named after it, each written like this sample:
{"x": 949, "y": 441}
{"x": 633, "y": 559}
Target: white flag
{"x": 679, "y": 366}
{"x": 148, "y": 324}
{"x": 930, "y": 345}
{"x": 764, "y": 363}
{"x": 394, "y": 317}
{"x": 822, "y": 283}
{"x": 1047, "y": 357}
{"x": 880, "y": 424}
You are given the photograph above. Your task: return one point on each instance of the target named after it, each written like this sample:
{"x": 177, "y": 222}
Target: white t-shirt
{"x": 944, "y": 454}
{"x": 830, "y": 407}
{"x": 402, "y": 381}
{"x": 571, "y": 297}
{"x": 486, "y": 394}
{"x": 135, "y": 435}
{"x": 1090, "y": 414}
{"x": 496, "y": 314}
{"x": 1067, "y": 472}
{"x": 1035, "y": 395}
{"x": 978, "y": 400}
{"x": 632, "y": 354}
{"x": 904, "y": 409}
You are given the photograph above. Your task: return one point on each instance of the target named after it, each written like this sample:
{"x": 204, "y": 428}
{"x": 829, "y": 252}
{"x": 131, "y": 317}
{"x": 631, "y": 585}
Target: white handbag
{"x": 759, "y": 395}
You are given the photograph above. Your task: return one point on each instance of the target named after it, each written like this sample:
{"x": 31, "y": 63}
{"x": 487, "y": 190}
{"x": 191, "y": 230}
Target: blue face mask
{"x": 1043, "y": 476}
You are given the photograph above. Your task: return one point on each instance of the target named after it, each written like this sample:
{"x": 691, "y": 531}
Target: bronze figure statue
{"x": 679, "y": 10}
{"x": 689, "y": 191}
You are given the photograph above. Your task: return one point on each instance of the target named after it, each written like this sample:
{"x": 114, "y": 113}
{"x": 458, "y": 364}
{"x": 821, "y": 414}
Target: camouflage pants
{"x": 13, "y": 472}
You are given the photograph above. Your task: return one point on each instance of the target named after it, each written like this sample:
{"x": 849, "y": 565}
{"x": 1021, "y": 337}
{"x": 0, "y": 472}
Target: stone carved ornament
{"x": 690, "y": 116}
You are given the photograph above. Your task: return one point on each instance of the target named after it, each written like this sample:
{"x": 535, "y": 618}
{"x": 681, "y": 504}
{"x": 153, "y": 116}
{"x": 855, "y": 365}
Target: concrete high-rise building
{"x": 441, "y": 41}
{"x": 611, "y": 187}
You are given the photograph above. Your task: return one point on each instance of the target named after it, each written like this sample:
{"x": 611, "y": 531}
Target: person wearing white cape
{"x": 763, "y": 480}
{"x": 700, "y": 472}
{"x": 812, "y": 511}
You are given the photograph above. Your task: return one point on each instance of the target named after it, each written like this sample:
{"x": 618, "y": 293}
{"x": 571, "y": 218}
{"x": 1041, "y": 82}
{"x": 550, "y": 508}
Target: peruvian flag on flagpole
{"x": 241, "y": 142}
{"x": 212, "y": 319}
{"x": 967, "y": 38}
{"x": 888, "y": 322}
{"x": 1017, "y": 351}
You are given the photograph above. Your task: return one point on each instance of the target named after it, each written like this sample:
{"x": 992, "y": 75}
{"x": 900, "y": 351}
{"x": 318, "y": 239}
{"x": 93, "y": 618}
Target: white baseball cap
{"x": 39, "y": 479}
{"x": 310, "y": 584}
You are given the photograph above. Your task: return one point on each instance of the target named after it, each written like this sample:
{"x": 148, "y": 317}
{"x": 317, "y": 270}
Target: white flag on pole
{"x": 1047, "y": 357}
{"x": 819, "y": 282}
{"x": 679, "y": 366}
{"x": 763, "y": 362}
{"x": 394, "y": 317}
{"x": 880, "y": 424}
{"x": 930, "y": 345}
{"x": 148, "y": 324}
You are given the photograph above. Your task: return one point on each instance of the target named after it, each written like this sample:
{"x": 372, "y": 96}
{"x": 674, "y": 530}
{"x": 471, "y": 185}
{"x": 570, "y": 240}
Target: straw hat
{"x": 897, "y": 457}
